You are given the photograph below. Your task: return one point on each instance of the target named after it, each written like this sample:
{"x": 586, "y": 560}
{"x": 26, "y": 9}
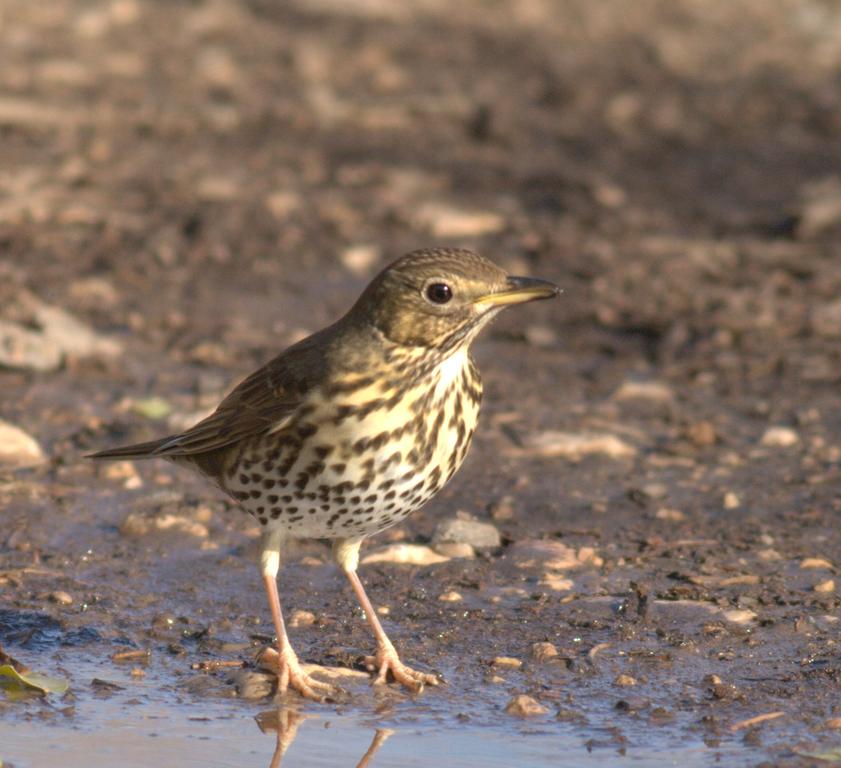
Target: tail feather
{"x": 148, "y": 450}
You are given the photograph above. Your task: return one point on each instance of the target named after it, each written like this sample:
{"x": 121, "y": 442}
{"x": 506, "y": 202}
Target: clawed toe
{"x": 307, "y": 686}
{"x": 387, "y": 662}
{"x": 291, "y": 675}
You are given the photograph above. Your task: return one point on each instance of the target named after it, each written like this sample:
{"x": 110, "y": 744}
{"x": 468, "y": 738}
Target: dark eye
{"x": 439, "y": 293}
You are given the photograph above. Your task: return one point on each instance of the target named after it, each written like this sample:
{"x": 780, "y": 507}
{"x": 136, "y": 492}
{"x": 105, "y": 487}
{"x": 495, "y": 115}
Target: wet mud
{"x": 186, "y": 188}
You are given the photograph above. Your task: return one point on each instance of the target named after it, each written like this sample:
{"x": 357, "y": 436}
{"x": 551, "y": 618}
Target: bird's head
{"x": 440, "y": 298}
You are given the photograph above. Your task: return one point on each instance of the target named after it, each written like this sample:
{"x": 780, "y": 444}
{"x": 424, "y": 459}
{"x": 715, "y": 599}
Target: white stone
{"x": 410, "y": 554}
{"x": 474, "y": 532}
{"x": 574, "y": 446}
{"x": 644, "y": 390}
{"x": 17, "y": 448}
{"x": 447, "y": 221}
{"x": 779, "y": 437}
{"x": 360, "y": 259}
{"x": 731, "y": 500}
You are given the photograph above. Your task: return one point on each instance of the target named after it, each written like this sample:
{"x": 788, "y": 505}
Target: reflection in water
{"x": 286, "y": 723}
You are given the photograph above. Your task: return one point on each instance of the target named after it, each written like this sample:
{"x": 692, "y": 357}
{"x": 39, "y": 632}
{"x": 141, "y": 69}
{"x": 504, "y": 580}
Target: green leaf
{"x": 10, "y": 677}
{"x": 152, "y": 408}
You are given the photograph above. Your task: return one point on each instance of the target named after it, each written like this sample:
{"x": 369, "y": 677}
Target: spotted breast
{"x": 364, "y": 455}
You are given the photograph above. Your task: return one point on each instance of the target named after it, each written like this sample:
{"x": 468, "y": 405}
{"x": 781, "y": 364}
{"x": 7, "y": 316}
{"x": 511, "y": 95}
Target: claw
{"x": 291, "y": 675}
{"x": 387, "y": 661}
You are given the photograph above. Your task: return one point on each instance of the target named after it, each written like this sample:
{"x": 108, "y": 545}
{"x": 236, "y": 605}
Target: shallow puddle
{"x": 212, "y": 736}
{"x": 131, "y": 722}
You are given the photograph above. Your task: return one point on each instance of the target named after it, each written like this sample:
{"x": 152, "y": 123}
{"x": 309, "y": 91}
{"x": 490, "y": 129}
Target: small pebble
{"x": 672, "y": 515}
{"x": 739, "y": 615}
{"x": 360, "y": 259}
{"x": 655, "y": 490}
{"x": 123, "y": 471}
{"x": 282, "y": 203}
{"x": 47, "y": 336}
{"x": 833, "y": 722}
{"x": 253, "y": 685}
{"x": 826, "y": 319}
{"x": 446, "y": 221}
{"x": 543, "y": 651}
{"x": 609, "y": 195}
{"x": 502, "y": 509}
{"x": 779, "y": 437}
{"x": 524, "y": 706}
{"x": 302, "y": 619}
{"x": 453, "y": 549}
{"x": 137, "y": 525}
{"x": 661, "y": 714}
{"x": 574, "y": 446}
{"x": 467, "y": 531}
{"x": 507, "y": 662}
{"x": 743, "y": 578}
{"x": 819, "y": 209}
{"x": 815, "y": 562}
{"x": 541, "y": 336}
{"x": 450, "y": 597}
{"x": 701, "y": 434}
{"x": 624, "y": 680}
{"x": 17, "y": 448}
{"x": 724, "y": 691}
{"x": 644, "y": 390}
{"x": 731, "y": 501}
{"x": 545, "y": 553}
{"x": 62, "y": 598}
{"x": 93, "y": 293}
{"x": 825, "y": 587}
{"x": 412, "y": 554}
{"x": 556, "y": 583}
{"x": 632, "y": 704}
{"x": 588, "y": 555}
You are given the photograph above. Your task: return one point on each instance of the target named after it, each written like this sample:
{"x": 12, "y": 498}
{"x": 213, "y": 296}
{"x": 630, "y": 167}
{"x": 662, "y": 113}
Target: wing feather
{"x": 265, "y": 402}
{"x": 253, "y": 408}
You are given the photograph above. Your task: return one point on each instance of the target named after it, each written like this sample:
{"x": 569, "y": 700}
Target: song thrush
{"x": 352, "y": 429}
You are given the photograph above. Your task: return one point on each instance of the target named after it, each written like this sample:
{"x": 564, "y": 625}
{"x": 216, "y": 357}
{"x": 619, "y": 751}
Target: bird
{"x": 350, "y": 430}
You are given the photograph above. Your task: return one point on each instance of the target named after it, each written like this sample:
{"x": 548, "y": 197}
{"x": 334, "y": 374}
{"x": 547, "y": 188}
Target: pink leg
{"x": 289, "y": 672}
{"x": 386, "y": 659}
{"x": 379, "y": 739}
{"x": 288, "y": 722}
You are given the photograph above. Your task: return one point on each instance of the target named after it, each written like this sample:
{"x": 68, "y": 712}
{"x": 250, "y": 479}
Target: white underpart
{"x": 450, "y": 370}
{"x": 405, "y": 475}
{"x": 448, "y": 373}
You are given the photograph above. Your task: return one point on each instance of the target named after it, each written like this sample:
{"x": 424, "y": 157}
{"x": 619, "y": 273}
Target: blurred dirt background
{"x": 186, "y": 188}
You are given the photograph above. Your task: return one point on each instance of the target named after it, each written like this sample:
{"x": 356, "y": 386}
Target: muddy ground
{"x": 202, "y": 183}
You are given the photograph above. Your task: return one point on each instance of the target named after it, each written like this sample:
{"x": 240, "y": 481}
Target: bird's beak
{"x": 518, "y": 291}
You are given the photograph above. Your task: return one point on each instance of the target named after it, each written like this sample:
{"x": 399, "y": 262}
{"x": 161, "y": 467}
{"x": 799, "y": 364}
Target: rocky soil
{"x": 642, "y": 548}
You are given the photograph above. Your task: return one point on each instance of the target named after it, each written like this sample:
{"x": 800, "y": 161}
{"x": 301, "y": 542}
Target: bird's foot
{"x": 387, "y": 661}
{"x": 290, "y": 674}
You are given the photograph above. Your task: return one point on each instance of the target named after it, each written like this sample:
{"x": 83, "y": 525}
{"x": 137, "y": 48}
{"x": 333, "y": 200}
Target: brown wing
{"x": 258, "y": 405}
